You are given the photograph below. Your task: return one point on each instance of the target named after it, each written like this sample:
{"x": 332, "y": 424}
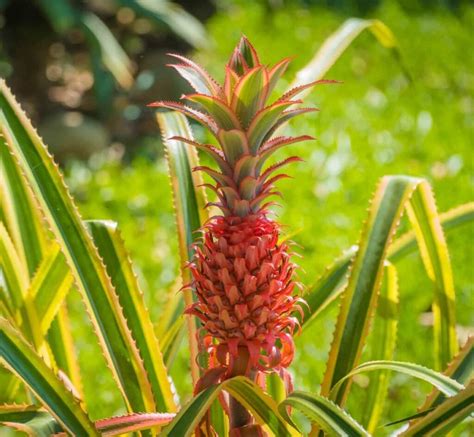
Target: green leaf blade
{"x": 24, "y": 362}
{"x": 115, "y": 257}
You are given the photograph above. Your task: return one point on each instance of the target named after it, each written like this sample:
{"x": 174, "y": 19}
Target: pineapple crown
{"x": 238, "y": 115}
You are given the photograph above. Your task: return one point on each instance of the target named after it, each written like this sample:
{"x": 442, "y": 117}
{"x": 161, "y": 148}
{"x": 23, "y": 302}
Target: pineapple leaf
{"x": 111, "y": 249}
{"x": 332, "y": 282}
{"x": 445, "y": 416}
{"x": 120, "y": 425}
{"x": 21, "y": 359}
{"x": 460, "y": 369}
{"x": 61, "y": 342}
{"x": 337, "y": 43}
{"x": 264, "y": 121}
{"x": 190, "y": 112}
{"x": 250, "y": 395}
{"x": 50, "y": 285}
{"x": 189, "y": 202}
{"x": 89, "y": 272}
{"x": 434, "y": 253}
{"x": 448, "y": 386}
{"x": 331, "y": 418}
{"x": 21, "y": 218}
{"x": 361, "y": 294}
{"x": 250, "y": 94}
{"x": 217, "y": 109}
{"x": 196, "y": 76}
{"x": 234, "y": 144}
{"x": 27, "y": 419}
{"x": 383, "y": 346}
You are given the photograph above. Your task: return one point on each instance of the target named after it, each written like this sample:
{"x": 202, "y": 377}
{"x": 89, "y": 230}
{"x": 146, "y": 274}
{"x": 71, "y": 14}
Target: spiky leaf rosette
{"x": 242, "y": 275}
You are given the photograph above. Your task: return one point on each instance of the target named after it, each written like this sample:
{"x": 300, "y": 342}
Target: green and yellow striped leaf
{"x": 383, "y": 347}
{"x": 21, "y": 359}
{"x": 334, "y": 46}
{"x": 49, "y": 286}
{"x": 189, "y": 202}
{"x": 445, "y": 416}
{"x": 460, "y": 369}
{"x": 21, "y": 219}
{"x": 434, "y": 253}
{"x": 89, "y": 272}
{"x": 263, "y": 408}
{"x": 112, "y": 250}
{"x": 332, "y": 282}
{"x": 29, "y": 420}
{"x": 333, "y": 420}
{"x": 448, "y": 386}
{"x": 360, "y": 296}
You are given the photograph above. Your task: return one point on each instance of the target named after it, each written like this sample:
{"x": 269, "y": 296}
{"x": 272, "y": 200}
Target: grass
{"x": 377, "y": 122}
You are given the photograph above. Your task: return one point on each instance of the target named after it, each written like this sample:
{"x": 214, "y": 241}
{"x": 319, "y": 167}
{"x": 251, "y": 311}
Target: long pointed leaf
{"x": 360, "y": 296}
{"x": 336, "y": 44}
{"x": 29, "y": 420}
{"x": 448, "y": 386}
{"x": 23, "y": 361}
{"x": 247, "y": 393}
{"x": 383, "y": 346}
{"x": 189, "y": 206}
{"x": 116, "y": 259}
{"x": 332, "y": 282}
{"x": 434, "y": 253}
{"x": 445, "y": 416}
{"x": 50, "y": 285}
{"x": 331, "y": 418}
{"x": 89, "y": 272}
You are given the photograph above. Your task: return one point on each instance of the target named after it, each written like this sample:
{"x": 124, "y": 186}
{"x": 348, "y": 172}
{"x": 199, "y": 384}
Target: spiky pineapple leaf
{"x": 360, "y": 296}
{"x": 448, "y": 386}
{"x": 434, "y": 253}
{"x": 89, "y": 272}
{"x": 460, "y": 369}
{"x": 28, "y": 419}
{"x": 49, "y": 286}
{"x": 20, "y": 218}
{"x": 445, "y": 416}
{"x": 320, "y": 410}
{"x": 394, "y": 194}
{"x": 189, "y": 202}
{"x": 332, "y": 282}
{"x": 21, "y": 359}
{"x": 250, "y": 395}
{"x": 335, "y": 45}
{"x": 383, "y": 346}
{"x": 24, "y": 219}
{"x": 120, "y": 425}
{"x": 61, "y": 342}
{"x": 112, "y": 250}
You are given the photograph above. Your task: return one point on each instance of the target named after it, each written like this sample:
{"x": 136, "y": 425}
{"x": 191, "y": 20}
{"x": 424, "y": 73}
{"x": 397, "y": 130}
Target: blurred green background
{"x": 379, "y": 121}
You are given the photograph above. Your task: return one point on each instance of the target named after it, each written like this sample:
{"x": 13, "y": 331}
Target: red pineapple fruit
{"x": 242, "y": 275}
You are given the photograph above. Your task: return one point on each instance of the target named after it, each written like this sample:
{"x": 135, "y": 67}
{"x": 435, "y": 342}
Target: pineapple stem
{"x": 241, "y": 421}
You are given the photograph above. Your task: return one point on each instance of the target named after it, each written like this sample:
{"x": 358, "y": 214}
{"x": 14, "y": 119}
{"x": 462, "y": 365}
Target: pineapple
{"x": 243, "y": 276}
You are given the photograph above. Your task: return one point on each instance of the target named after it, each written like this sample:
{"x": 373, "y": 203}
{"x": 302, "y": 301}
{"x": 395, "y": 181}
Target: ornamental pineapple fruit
{"x": 243, "y": 276}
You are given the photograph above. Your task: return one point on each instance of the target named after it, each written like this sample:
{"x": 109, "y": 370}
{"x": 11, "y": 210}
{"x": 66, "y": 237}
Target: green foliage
{"x": 39, "y": 264}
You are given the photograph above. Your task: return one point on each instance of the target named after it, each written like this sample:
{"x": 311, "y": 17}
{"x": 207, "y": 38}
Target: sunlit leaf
{"x": 263, "y": 408}
{"x": 331, "y": 418}
{"x": 383, "y": 346}
{"x": 445, "y": 416}
{"x": 89, "y": 272}
{"x": 21, "y": 359}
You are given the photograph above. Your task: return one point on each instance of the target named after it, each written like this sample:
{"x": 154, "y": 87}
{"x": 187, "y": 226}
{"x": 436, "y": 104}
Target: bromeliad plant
{"x": 240, "y": 298}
